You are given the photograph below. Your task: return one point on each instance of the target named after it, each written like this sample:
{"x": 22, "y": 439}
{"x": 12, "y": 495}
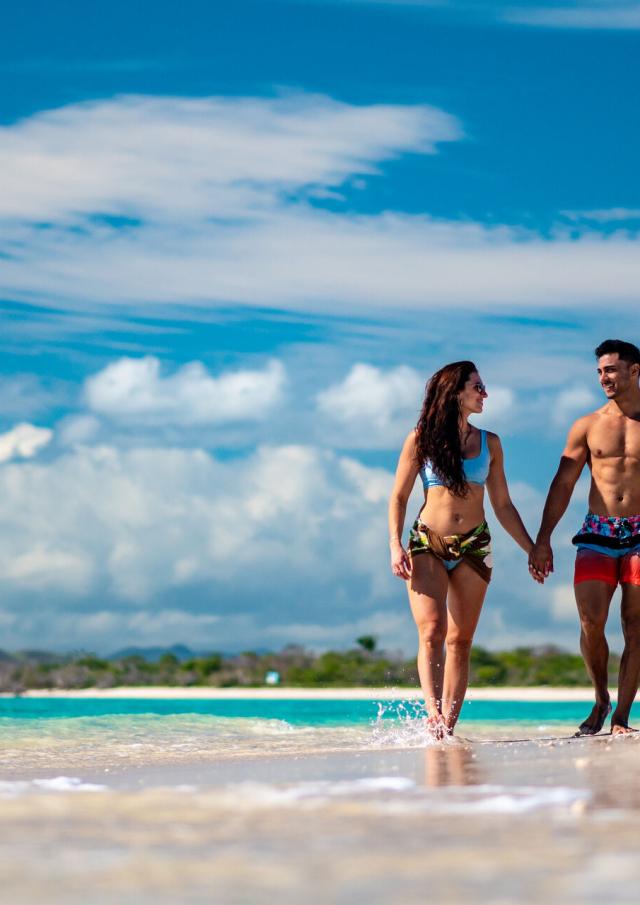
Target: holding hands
{"x": 541, "y": 560}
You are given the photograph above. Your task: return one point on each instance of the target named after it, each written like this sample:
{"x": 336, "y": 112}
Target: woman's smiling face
{"x": 473, "y": 394}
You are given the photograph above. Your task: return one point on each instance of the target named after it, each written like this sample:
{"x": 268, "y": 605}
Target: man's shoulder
{"x": 592, "y": 425}
{"x": 585, "y": 422}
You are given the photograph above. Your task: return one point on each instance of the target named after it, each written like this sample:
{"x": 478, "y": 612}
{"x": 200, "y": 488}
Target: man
{"x": 608, "y": 544}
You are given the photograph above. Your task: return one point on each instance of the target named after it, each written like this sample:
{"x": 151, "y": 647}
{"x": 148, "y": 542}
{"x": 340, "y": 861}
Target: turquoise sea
{"x": 295, "y": 712}
{"x": 42, "y": 732}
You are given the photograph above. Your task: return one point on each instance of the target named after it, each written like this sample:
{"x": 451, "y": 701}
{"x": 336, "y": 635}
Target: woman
{"x": 448, "y": 564}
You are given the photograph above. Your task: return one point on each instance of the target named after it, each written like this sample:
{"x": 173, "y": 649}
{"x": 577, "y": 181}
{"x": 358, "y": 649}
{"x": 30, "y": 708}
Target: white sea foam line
{"x": 10, "y": 788}
{"x": 318, "y": 790}
{"x": 401, "y": 795}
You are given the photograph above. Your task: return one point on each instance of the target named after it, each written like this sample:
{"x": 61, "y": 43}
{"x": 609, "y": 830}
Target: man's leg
{"x": 630, "y": 664}
{"x": 593, "y": 596}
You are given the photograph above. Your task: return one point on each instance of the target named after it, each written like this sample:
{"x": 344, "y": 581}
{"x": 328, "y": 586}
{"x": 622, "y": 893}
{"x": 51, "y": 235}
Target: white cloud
{"x": 599, "y": 15}
{"x": 76, "y": 430}
{"x": 210, "y": 157}
{"x": 571, "y": 403}
{"x": 304, "y": 258}
{"x": 23, "y": 441}
{"x": 24, "y": 395}
{"x": 376, "y": 408}
{"x": 498, "y": 408}
{"x": 604, "y": 215}
{"x": 134, "y": 388}
{"x": 372, "y": 407}
{"x": 286, "y": 544}
{"x": 563, "y": 603}
{"x": 221, "y": 212}
{"x": 134, "y": 524}
{"x": 49, "y": 570}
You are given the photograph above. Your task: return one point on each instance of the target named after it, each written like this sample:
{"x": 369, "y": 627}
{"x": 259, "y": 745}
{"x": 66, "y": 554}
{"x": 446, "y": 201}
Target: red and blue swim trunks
{"x": 608, "y": 550}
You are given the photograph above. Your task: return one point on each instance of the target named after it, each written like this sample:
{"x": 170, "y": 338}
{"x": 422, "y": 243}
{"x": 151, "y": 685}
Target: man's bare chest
{"x": 614, "y": 438}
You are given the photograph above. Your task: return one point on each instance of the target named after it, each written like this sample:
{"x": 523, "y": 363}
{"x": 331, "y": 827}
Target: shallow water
{"x": 46, "y": 732}
{"x": 201, "y": 807}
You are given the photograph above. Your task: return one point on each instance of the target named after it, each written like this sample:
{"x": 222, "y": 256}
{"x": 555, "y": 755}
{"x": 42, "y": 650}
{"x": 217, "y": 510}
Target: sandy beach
{"x": 318, "y": 795}
{"x": 530, "y": 823}
{"x": 540, "y": 693}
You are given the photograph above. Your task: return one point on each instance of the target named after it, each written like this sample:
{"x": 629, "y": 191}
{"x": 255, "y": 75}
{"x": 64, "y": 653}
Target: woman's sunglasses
{"x": 480, "y": 388}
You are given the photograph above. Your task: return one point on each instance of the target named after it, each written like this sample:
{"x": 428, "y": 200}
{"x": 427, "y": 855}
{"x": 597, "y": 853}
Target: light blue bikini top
{"x": 476, "y": 470}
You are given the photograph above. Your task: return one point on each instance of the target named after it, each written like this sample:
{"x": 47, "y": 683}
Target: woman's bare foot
{"x": 595, "y": 721}
{"x": 436, "y": 727}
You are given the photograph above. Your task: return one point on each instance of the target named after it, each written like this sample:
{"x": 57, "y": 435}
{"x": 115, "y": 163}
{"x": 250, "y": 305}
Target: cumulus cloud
{"x": 563, "y": 603}
{"x": 571, "y": 403}
{"x": 498, "y": 408}
{"x": 285, "y": 544}
{"x": 139, "y": 522}
{"x": 228, "y": 209}
{"x": 23, "y": 441}
{"x": 376, "y": 408}
{"x": 371, "y": 406}
{"x": 134, "y": 388}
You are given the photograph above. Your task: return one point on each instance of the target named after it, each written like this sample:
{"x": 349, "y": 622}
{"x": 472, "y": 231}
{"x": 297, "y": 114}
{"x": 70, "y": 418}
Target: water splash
{"x": 403, "y": 724}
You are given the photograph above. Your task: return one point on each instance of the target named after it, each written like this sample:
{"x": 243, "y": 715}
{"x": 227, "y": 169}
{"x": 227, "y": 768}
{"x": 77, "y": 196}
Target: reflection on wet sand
{"x": 451, "y": 765}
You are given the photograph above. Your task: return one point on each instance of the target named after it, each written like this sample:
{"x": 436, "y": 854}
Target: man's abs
{"x": 614, "y": 452}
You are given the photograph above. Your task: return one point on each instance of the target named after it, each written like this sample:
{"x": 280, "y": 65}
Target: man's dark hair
{"x": 626, "y": 351}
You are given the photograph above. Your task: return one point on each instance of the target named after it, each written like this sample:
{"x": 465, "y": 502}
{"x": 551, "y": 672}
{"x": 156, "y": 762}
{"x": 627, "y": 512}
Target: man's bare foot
{"x": 621, "y": 727}
{"x": 595, "y": 721}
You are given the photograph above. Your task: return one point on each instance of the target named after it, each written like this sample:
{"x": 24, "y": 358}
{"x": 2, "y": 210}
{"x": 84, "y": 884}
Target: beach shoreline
{"x": 537, "y": 693}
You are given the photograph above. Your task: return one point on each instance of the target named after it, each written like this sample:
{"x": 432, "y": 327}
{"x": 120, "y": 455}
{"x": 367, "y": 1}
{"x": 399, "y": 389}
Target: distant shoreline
{"x": 539, "y": 693}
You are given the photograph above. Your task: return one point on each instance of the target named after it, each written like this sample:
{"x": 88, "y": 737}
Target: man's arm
{"x": 572, "y": 462}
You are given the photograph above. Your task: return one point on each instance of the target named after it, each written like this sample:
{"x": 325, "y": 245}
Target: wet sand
{"x": 546, "y": 821}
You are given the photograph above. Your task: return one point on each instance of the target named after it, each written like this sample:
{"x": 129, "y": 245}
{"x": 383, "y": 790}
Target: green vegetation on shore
{"x": 295, "y": 666}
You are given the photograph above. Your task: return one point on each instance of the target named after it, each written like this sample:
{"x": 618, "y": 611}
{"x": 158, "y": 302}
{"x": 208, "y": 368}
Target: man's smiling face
{"x": 615, "y": 375}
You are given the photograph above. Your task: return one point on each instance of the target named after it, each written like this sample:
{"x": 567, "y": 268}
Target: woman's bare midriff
{"x": 448, "y": 514}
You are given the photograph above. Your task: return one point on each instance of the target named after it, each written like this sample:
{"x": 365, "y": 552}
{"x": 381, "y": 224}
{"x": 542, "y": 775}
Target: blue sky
{"x": 235, "y": 240}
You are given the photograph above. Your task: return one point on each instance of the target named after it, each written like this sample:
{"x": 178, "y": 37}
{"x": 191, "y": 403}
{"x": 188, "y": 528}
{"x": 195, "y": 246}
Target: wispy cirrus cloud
{"x": 604, "y": 215}
{"x": 583, "y": 14}
{"x": 593, "y": 14}
{"x": 186, "y": 159}
{"x": 227, "y": 207}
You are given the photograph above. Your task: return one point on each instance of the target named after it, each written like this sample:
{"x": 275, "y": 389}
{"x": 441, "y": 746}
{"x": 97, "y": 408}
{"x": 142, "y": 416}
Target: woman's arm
{"x": 406, "y": 474}
{"x": 505, "y": 511}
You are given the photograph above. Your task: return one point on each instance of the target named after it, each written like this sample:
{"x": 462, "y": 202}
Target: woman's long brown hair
{"x": 438, "y": 428}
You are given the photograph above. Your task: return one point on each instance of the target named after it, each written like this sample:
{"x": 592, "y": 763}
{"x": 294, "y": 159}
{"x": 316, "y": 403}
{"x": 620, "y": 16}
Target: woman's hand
{"x": 536, "y": 573}
{"x": 400, "y": 561}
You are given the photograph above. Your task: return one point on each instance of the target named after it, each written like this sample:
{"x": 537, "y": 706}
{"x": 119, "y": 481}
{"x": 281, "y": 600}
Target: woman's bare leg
{"x": 466, "y": 595}
{"x": 428, "y": 595}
